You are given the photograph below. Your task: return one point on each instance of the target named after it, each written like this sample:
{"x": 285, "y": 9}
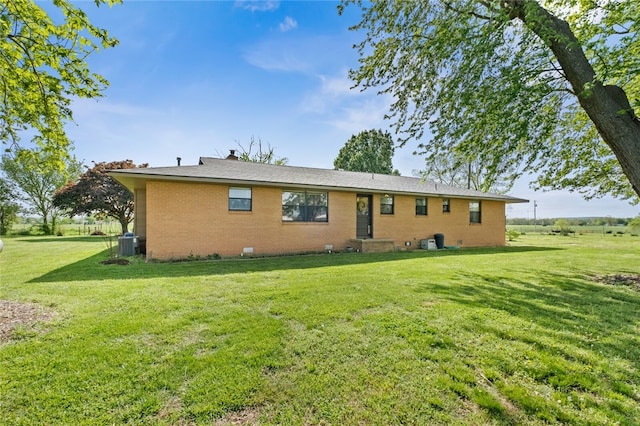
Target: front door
{"x": 363, "y": 218}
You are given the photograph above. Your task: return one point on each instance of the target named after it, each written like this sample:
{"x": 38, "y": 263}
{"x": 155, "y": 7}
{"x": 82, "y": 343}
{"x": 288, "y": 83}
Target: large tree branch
{"x": 607, "y": 106}
{"x": 16, "y": 40}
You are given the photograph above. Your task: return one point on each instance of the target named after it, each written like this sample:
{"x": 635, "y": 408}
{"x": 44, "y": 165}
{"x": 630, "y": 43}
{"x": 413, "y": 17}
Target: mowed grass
{"x": 515, "y": 335}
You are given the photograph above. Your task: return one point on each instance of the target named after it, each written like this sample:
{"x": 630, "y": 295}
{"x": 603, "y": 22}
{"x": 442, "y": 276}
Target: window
{"x": 475, "y": 212}
{"x": 421, "y": 206}
{"x": 386, "y": 204}
{"x": 239, "y": 199}
{"x": 304, "y": 206}
{"x": 446, "y": 207}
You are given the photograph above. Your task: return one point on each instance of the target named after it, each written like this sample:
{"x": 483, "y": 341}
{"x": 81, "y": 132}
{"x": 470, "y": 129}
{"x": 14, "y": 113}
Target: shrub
{"x": 512, "y": 234}
{"x": 562, "y": 226}
{"x": 192, "y": 256}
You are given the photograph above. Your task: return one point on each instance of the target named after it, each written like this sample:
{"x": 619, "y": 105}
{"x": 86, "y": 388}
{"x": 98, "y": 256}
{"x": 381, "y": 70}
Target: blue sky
{"x": 192, "y": 78}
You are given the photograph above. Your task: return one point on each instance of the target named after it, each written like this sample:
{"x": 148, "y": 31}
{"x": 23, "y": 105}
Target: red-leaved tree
{"x": 97, "y": 193}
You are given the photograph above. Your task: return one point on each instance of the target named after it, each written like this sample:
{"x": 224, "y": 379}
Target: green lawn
{"x": 515, "y": 335}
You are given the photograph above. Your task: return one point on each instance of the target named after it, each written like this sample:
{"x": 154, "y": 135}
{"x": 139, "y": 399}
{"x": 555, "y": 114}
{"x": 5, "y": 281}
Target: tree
{"x": 8, "y": 207}
{"x": 471, "y": 174}
{"x": 369, "y": 151}
{"x": 514, "y": 83}
{"x": 263, "y": 155}
{"x": 38, "y": 177}
{"x": 43, "y": 67}
{"x": 634, "y": 224}
{"x": 95, "y": 192}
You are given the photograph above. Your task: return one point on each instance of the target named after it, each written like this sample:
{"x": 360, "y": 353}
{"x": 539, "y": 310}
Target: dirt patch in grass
{"x": 246, "y": 417}
{"x": 17, "y": 314}
{"x": 629, "y": 280}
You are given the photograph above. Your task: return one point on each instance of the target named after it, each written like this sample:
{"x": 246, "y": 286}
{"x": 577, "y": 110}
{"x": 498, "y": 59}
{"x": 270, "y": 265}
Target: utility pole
{"x": 535, "y": 205}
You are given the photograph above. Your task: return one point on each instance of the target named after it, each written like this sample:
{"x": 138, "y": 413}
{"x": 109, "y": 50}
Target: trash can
{"x": 439, "y": 240}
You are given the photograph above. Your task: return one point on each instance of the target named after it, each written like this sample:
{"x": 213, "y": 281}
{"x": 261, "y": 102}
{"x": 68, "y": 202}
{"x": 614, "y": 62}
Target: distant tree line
{"x": 581, "y": 221}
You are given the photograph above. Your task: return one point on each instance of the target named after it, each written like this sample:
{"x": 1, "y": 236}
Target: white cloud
{"x": 279, "y": 56}
{"x": 258, "y": 5}
{"x": 333, "y": 90}
{"x": 281, "y": 61}
{"x": 359, "y": 116}
{"x": 338, "y": 86}
{"x": 288, "y": 24}
{"x": 309, "y": 55}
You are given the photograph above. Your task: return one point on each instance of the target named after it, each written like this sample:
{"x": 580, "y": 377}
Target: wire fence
{"x": 105, "y": 227}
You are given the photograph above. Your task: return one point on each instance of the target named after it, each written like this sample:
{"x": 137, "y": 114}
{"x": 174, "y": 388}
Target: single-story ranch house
{"x": 232, "y": 208}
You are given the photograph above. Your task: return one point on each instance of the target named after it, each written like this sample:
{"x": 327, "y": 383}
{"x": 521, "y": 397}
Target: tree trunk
{"x": 607, "y": 106}
{"x": 124, "y": 224}
{"x": 45, "y": 225}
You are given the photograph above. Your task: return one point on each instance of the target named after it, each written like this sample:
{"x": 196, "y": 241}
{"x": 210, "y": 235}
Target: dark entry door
{"x": 363, "y": 220}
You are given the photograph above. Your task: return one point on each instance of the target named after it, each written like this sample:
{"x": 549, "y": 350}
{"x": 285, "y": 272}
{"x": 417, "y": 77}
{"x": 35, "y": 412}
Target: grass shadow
{"x": 90, "y": 269}
{"x": 563, "y": 308}
{"x": 73, "y": 239}
{"x": 564, "y": 332}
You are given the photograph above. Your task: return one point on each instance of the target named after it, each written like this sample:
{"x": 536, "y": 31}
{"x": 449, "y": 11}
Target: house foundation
{"x": 373, "y": 245}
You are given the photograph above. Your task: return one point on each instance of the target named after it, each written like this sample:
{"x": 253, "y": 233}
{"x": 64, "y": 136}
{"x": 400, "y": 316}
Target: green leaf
{"x": 42, "y": 67}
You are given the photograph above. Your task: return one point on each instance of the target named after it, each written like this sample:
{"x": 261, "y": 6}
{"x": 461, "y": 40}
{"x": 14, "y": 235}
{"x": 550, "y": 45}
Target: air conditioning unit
{"x": 428, "y": 244}
{"x": 127, "y": 246}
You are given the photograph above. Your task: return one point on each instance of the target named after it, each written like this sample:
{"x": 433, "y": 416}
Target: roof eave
{"x": 138, "y": 181}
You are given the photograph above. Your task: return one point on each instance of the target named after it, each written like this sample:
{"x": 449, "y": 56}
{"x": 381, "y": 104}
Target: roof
{"x": 236, "y": 172}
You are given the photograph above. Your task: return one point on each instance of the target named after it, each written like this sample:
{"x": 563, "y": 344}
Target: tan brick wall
{"x": 193, "y": 218}
{"x": 404, "y": 225}
{"x": 140, "y": 212}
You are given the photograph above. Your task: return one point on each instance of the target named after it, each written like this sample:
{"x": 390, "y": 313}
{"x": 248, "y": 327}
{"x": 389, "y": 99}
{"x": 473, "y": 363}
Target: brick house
{"x": 230, "y": 208}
